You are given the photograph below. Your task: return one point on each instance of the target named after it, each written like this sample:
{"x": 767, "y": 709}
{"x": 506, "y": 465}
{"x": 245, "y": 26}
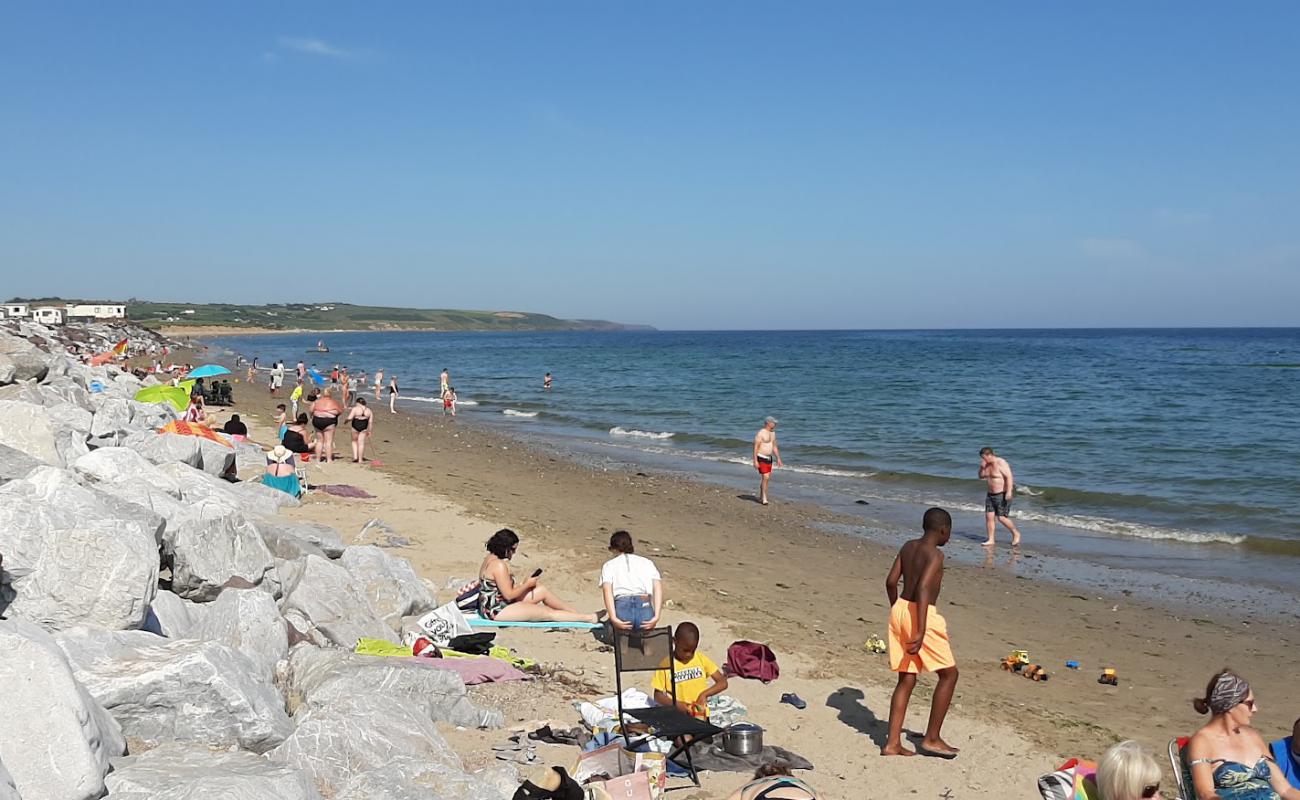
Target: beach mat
{"x": 479, "y": 622}
{"x": 714, "y": 759}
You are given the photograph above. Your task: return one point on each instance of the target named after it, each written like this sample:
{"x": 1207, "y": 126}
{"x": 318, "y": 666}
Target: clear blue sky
{"x": 684, "y": 164}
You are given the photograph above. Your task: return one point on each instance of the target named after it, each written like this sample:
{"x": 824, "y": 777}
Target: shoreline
{"x": 773, "y": 575}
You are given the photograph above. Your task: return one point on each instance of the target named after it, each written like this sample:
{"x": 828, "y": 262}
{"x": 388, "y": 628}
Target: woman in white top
{"x": 634, "y": 593}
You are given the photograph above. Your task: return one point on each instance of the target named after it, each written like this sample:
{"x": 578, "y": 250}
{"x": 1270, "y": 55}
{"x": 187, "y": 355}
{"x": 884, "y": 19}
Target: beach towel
{"x": 752, "y": 660}
{"x": 936, "y": 651}
{"x": 480, "y": 622}
{"x": 1287, "y": 760}
{"x": 714, "y": 759}
{"x": 344, "y": 490}
{"x": 1075, "y": 780}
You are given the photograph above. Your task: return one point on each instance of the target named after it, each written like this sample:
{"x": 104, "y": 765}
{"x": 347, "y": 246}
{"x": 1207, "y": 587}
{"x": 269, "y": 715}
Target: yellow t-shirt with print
{"x": 296, "y": 394}
{"x": 692, "y": 677}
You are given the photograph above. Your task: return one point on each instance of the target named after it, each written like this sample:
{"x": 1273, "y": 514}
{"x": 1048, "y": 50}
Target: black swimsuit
{"x": 294, "y": 443}
{"x": 359, "y": 424}
{"x": 323, "y": 423}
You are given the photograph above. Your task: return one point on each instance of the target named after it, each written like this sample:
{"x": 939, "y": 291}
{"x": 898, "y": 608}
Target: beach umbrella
{"x": 208, "y": 371}
{"x": 194, "y": 429}
{"x": 318, "y": 378}
{"x": 178, "y": 397}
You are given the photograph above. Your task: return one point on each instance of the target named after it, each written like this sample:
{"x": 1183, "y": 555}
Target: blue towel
{"x": 480, "y": 622}
{"x": 1287, "y": 760}
{"x": 287, "y": 484}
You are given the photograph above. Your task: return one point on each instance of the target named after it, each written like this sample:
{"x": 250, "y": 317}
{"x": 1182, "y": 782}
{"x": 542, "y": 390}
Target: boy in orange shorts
{"x": 918, "y": 635}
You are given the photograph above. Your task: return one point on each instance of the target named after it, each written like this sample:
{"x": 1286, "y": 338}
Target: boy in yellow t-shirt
{"x": 694, "y": 671}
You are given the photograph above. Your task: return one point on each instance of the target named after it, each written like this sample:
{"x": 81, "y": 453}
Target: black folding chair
{"x": 651, "y": 651}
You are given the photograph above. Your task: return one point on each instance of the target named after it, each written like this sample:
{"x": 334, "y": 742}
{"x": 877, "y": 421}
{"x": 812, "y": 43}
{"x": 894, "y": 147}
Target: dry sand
{"x": 741, "y": 570}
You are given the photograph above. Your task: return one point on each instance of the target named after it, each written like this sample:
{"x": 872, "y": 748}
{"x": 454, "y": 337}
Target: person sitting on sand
{"x": 918, "y": 635}
{"x": 236, "y": 428}
{"x": 502, "y": 599}
{"x": 774, "y": 781}
{"x": 1229, "y": 759}
{"x": 195, "y": 412}
{"x": 1127, "y": 772}
{"x": 360, "y": 418}
{"x": 1286, "y": 752}
{"x": 634, "y": 594}
{"x": 296, "y": 436}
{"x": 693, "y": 672}
{"x": 281, "y": 472}
{"x": 325, "y": 419}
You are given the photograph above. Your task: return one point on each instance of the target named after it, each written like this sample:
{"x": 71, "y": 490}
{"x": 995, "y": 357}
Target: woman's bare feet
{"x": 896, "y": 750}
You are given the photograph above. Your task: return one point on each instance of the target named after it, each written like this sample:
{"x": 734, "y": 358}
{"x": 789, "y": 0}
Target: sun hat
{"x": 280, "y": 454}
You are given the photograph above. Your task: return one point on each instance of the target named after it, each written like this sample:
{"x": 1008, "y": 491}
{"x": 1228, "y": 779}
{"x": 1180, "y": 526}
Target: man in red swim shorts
{"x": 766, "y": 455}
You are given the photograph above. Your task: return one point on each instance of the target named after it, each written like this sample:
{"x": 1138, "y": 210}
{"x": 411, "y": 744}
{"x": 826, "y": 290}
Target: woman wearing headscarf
{"x": 1229, "y": 759}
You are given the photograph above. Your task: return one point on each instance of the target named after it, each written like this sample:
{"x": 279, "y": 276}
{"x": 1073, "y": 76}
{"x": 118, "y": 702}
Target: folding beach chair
{"x": 1178, "y": 765}
{"x": 651, "y": 651}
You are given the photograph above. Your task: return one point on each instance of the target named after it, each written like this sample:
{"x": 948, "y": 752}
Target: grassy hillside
{"x": 343, "y": 316}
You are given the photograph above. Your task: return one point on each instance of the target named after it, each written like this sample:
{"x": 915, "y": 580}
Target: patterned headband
{"x": 1230, "y": 690}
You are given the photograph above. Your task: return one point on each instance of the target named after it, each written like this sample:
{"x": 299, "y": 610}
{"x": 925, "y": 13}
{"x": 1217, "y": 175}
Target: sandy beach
{"x": 741, "y": 570}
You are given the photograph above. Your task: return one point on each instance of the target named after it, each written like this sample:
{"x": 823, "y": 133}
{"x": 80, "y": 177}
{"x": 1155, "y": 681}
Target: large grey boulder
{"x": 246, "y": 619}
{"x": 20, "y": 360}
{"x": 89, "y": 563}
{"x": 27, "y": 427}
{"x": 203, "y": 490}
{"x": 112, "y": 421}
{"x": 15, "y": 464}
{"x": 65, "y": 390}
{"x": 410, "y": 779}
{"x": 171, "y": 615}
{"x": 71, "y": 429}
{"x": 329, "y": 540}
{"x": 389, "y": 582}
{"x": 152, "y": 415}
{"x": 262, "y": 500}
{"x": 147, "y": 519}
{"x": 55, "y": 740}
{"x": 250, "y": 459}
{"x": 182, "y": 690}
{"x": 117, "y": 464}
{"x": 218, "y": 457}
{"x": 326, "y": 594}
{"x": 165, "y": 448}
{"x": 206, "y": 554}
{"x": 319, "y": 678}
{"x": 23, "y": 392}
{"x": 8, "y": 789}
{"x": 172, "y": 772}
{"x": 337, "y": 744}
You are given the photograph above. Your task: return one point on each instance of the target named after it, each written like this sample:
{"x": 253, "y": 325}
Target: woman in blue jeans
{"x": 634, "y": 593}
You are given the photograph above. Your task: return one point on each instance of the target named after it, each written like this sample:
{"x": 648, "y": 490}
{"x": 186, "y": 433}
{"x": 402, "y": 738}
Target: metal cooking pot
{"x": 743, "y": 739}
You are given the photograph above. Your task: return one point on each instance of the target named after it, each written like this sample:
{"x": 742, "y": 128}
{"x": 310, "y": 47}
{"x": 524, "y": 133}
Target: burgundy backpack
{"x": 752, "y": 660}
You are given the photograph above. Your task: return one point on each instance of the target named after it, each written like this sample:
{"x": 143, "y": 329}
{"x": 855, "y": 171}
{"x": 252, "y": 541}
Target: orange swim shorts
{"x": 936, "y": 651}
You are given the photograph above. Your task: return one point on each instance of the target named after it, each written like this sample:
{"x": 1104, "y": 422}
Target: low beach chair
{"x": 1178, "y": 765}
{"x": 651, "y": 651}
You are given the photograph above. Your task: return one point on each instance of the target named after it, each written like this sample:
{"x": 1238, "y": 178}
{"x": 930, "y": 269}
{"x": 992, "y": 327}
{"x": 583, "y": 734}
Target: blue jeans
{"x": 636, "y": 610}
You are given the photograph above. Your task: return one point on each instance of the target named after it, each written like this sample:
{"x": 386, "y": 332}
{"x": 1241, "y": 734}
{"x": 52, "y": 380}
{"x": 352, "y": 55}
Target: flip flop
{"x": 794, "y": 700}
{"x": 925, "y": 751}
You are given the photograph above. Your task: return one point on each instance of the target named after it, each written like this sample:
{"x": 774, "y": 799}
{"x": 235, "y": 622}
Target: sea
{"x": 1159, "y": 462}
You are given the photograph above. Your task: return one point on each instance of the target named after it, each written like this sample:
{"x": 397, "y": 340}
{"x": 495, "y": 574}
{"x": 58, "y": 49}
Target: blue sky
{"x": 684, "y": 164}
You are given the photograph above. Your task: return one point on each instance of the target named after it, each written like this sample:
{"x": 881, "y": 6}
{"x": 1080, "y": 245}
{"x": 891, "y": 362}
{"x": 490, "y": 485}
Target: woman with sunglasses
{"x": 1127, "y": 772}
{"x": 1229, "y": 759}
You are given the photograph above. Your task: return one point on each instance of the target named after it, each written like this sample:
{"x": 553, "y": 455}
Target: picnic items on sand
{"x": 752, "y": 660}
{"x": 743, "y": 739}
{"x": 552, "y": 783}
{"x": 445, "y": 623}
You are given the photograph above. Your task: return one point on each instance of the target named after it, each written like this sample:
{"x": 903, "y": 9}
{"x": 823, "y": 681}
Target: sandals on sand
{"x": 794, "y": 700}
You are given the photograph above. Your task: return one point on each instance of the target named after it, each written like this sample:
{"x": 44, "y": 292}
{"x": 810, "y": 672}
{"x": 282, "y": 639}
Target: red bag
{"x": 752, "y": 660}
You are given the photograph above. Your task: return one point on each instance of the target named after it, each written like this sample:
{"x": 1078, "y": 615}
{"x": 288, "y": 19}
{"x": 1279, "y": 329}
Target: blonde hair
{"x": 1125, "y": 771}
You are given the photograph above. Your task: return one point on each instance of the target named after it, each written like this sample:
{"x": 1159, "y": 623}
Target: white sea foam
{"x": 418, "y": 399}
{"x": 460, "y": 402}
{"x": 640, "y": 434}
{"x": 510, "y": 412}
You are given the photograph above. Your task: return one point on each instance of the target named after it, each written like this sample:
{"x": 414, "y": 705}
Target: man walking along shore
{"x": 997, "y": 502}
{"x": 766, "y": 455}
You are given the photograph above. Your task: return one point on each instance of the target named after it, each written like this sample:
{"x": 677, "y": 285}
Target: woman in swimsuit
{"x": 1229, "y": 759}
{"x": 773, "y": 781}
{"x": 325, "y": 418}
{"x": 297, "y": 435}
{"x": 361, "y": 418}
{"x": 528, "y": 601}
{"x": 392, "y": 395}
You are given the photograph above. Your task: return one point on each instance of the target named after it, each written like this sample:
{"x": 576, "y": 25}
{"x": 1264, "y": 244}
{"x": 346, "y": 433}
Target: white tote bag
{"x": 445, "y": 623}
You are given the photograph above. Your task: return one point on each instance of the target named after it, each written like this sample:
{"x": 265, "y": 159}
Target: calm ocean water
{"x": 1188, "y": 438}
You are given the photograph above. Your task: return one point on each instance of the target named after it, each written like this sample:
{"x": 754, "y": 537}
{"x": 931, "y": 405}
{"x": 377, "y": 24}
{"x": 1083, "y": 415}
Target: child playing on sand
{"x": 918, "y": 635}
{"x": 693, "y": 671}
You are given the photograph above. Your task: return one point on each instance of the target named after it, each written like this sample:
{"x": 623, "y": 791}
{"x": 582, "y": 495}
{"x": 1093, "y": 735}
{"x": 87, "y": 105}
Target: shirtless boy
{"x": 997, "y": 503}
{"x": 918, "y": 635}
{"x": 766, "y": 455}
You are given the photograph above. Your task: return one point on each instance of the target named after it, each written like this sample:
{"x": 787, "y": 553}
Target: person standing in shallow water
{"x": 918, "y": 635}
{"x": 766, "y": 455}
{"x": 997, "y": 502}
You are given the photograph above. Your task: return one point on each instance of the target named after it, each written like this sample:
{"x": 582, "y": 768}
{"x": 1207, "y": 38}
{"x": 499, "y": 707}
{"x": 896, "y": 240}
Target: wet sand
{"x": 766, "y": 573}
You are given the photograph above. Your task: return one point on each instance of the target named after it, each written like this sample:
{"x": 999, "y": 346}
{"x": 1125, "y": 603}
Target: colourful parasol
{"x": 178, "y": 397}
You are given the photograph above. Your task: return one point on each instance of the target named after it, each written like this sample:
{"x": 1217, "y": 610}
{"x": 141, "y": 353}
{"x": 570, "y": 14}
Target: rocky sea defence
{"x": 167, "y": 635}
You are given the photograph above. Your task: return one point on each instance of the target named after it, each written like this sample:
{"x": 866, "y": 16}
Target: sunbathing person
{"x": 1286, "y": 752}
{"x": 1127, "y": 772}
{"x": 634, "y": 593}
{"x": 692, "y": 673}
{"x": 773, "y": 781}
{"x": 1229, "y": 759}
{"x": 502, "y": 599}
{"x": 281, "y": 472}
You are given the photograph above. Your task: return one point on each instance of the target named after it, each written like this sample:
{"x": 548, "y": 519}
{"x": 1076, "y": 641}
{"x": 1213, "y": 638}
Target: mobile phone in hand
{"x": 537, "y": 572}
